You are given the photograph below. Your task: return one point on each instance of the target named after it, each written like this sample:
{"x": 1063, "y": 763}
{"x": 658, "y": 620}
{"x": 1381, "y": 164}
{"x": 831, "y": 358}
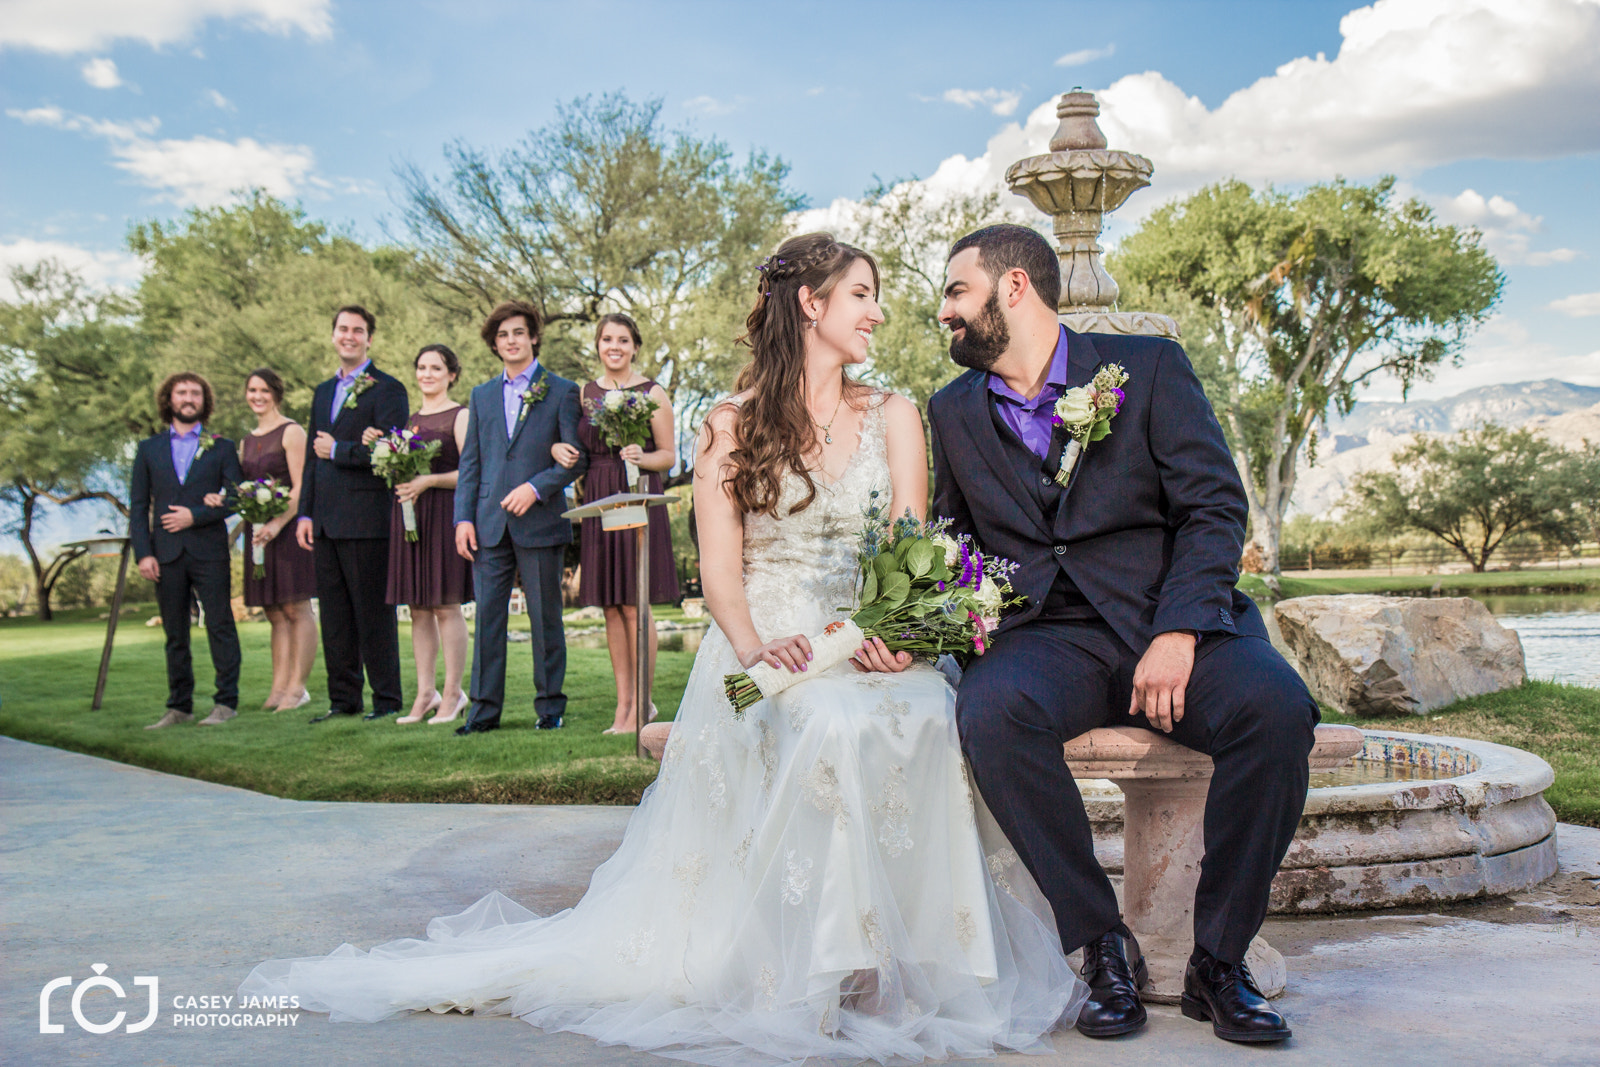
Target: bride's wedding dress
{"x": 816, "y": 878}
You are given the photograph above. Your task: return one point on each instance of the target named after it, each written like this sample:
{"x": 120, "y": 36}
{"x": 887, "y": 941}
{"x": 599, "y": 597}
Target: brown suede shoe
{"x": 171, "y": 718}
{"x": 218, "y": 716}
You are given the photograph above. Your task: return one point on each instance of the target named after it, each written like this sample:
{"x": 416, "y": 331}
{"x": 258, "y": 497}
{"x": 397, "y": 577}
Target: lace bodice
{"x": 800, "y": 568}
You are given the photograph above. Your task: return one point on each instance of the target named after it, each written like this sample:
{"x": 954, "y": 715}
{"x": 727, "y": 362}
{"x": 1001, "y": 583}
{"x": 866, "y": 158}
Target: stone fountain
{"x": 1077, "y": 183}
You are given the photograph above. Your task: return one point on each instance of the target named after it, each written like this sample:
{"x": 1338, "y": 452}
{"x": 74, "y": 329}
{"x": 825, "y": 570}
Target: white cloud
{"x": 1578, "y": 305}
{"x": 1507, "y": 229}
{"x": 217, "y": 100}
{"x": 710, "y": 105}
{"x": 199, "y": 171}
{"x": 1000, "y": 101}
{"x": 101, "y": 73}
{"x": 100, "y": 268}
{"x": 1086, "y": 55}
{"x": 65, "y": 27}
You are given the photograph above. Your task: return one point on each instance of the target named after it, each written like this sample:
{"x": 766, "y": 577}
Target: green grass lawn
{"x": 1576, "y": 580}
{"x": 1559, "y": 723}
{"x": 47, "y": 673}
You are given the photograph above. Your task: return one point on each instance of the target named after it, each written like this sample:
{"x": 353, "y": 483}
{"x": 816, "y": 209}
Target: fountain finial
{"x": 1076, "y": 183}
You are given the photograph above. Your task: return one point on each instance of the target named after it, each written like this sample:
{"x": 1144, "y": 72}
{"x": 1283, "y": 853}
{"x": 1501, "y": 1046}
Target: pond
{"x": 1560, "y": 634}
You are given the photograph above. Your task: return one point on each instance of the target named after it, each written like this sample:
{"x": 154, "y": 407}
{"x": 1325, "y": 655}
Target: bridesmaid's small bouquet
{"x": 920, "y": 590}
{"x": 261, "y": 501}
{"x": 623, "y": 418}
{"x": 399, "y": 456}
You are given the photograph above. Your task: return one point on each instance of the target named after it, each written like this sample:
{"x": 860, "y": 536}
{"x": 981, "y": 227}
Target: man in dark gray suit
{"x": 509, "y": 500}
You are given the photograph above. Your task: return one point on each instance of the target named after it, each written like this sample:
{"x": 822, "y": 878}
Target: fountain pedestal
{"x": 1164, "y": 785}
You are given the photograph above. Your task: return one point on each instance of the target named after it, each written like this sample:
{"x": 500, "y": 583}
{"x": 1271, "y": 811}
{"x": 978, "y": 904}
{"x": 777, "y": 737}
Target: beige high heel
{"x": 461, "y": 705}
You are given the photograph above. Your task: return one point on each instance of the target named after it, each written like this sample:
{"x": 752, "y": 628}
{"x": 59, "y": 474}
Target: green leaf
{"x": 869, "y": 588}
{"x": 896, "y": 588}
{"x": 920, "y": 557}
{"x": 884, "y": 565}
{"x": 1100, "y": 430}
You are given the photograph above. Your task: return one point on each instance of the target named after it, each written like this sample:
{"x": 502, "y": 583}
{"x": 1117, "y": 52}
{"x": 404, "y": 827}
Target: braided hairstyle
{"x": 773, "y": 430}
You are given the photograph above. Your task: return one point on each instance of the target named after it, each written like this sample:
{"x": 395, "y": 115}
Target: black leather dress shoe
{"x": 552, "y": 723}
{"x": 1226, "y": 996}
{"x": 376, "y": 714}
{"x": 1114, "y": 980}
{"x": 476, "y": 728}
{"x": 331, "y": 713}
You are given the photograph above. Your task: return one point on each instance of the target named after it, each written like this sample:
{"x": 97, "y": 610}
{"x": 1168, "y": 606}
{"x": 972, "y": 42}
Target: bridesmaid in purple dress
{"x": 426, "y": 574}
{"x": 276, "y": 448}
{"x": 608, "y": 572}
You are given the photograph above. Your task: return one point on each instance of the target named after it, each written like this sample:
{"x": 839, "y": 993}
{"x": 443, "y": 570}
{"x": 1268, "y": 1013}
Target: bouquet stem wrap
{"x": 258, "y": 556}
{"x": 633, "y": 475}
{"x": 408, "y": 514}
{"x": 833, "y": 646}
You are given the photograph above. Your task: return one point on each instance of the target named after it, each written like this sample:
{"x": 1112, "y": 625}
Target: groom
{"x": 1132, "y": 618}
{"x": 509, "y": 501}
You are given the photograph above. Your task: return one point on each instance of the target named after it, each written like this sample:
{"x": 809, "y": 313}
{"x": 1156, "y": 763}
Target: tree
{"x": 1582, "y": 470}
{"x": 1474, "y": 492}
{"x": 1306, "y": 298}
{"x": 603, "y": 211}
{"x": 230, "y": 289}
{"x": 909, "y": 230}
{"x": 75, "y": 381}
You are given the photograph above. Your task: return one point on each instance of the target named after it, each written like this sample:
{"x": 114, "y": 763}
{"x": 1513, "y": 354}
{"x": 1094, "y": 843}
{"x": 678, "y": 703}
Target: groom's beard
{"x": 985, "y": 340}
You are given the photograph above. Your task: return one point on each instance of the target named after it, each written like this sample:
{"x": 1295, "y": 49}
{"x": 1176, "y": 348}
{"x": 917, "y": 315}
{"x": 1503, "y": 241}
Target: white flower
{"x": 1076, "y": 406}
{"x": 988, "y": 598}
{"x": 263, "y": 494}
{"x": 406, "y": 435}
{"x": 952, "y": 550}
{"x": 614, "y": 400}
{"x": 381, "y": 450}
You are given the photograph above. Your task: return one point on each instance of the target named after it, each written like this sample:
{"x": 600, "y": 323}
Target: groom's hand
{"x": 1161, "y": 677}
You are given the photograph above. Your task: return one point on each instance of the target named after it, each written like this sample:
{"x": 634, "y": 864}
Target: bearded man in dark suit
{"x": 1128, "y": 551}
{"x": 184, "y": 551}
{"x": 344, "y": 522}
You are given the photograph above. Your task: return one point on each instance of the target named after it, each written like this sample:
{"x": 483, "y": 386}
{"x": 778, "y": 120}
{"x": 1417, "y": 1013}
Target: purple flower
{"x": 941, "y": 586}
{"x": 1119, "y": 396}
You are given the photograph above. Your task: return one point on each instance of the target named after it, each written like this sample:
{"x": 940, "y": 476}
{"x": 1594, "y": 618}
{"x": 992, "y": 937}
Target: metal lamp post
{"x": 631, "y": 511}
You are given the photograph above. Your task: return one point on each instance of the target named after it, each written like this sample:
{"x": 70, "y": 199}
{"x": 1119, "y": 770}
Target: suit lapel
{"x": 526, "y": 413}
{"x": 1082, "y": 363}
{"x": 980, "y": 424}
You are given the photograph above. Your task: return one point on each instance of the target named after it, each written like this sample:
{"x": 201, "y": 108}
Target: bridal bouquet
{"x": 623, "y": 418}
{"x": 261, "y": 501}
{"x": 399, "y": 456}
{"x": 921, "y": 590}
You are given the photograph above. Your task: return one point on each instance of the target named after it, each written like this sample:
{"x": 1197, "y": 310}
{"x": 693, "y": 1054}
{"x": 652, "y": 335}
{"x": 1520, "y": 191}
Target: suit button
{"x": 1061, "y": 550}
{"x": 1044, "y": 481}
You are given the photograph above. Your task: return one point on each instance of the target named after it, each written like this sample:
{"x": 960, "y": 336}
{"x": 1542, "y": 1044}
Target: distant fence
{"x": 1428, "y": 558}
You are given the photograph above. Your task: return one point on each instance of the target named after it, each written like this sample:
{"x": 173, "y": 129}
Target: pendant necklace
{"x": 827, "y": 427}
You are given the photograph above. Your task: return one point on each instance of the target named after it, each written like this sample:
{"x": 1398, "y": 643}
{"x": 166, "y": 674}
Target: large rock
{"x": 1387, "y": 655}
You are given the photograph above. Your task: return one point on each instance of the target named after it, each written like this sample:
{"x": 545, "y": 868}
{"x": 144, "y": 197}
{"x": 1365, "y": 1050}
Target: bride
{"x": 817, "y": 876}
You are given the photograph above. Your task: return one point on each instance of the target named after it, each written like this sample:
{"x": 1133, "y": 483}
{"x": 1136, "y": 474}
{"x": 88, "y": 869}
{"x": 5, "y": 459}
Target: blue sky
{"x": 1489, "y": 109}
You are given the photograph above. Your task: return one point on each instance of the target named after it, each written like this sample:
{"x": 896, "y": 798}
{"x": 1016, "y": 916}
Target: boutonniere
{"x": 363, "y": 382}
{"x": 1086, "y": 413}
{"x": 206, "y": 441}
{"x": 531, "y": 396}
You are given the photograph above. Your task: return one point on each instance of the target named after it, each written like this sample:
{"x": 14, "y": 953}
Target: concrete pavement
{"x": 194, "y": 883}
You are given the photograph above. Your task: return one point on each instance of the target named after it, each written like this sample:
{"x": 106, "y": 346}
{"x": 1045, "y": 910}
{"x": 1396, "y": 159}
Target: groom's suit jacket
{"x": 341, "y": 496}
{"x": 495, "y": 462}
{"x": 156, "y": 488}
{"x": 1151, "y": 524}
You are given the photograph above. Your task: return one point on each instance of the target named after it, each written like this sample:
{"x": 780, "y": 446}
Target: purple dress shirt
{"x": 1031, "y": 418}
{"x": 185, "y": 446}
{"x": 341, "y": 388}
{"x": 511, "y": 390}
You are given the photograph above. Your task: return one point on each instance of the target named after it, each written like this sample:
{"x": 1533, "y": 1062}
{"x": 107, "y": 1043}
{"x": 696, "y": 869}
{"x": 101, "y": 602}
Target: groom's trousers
{"x": 1047, "y": 681}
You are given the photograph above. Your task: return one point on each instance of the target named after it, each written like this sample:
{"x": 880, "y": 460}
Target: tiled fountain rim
{"x": 1498, "y": 774}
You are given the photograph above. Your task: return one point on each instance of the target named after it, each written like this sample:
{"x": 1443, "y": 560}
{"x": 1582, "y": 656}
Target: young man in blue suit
{"x": 344, "y": 522}
{"x": 185, "y": 550}
{"x": 1131, "y": 618}
{"x": 509, "y": 500}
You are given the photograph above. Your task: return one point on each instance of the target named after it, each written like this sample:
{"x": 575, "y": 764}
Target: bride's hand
{"x": 791, "y": 652}
{"x": 875, "y": 656}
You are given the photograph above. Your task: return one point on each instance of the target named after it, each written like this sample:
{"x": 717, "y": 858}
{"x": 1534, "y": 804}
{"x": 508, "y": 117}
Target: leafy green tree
{"x": 75, "y": 392}
{"x": 1303, "y": 298}
{"x": 1582, "y": 470}
{"x": 1474, "y": 492}
{"x": 605, "y": 210}
{"x": 909, "y": 230}
{"x": 230, "y": 289}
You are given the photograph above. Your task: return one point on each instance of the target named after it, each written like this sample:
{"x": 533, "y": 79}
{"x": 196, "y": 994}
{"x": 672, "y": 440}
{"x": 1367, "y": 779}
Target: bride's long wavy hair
{"x": 774, "y": 431}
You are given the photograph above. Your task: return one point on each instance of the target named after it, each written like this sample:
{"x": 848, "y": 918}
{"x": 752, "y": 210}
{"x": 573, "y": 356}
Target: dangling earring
{"x": 811, "y": 324}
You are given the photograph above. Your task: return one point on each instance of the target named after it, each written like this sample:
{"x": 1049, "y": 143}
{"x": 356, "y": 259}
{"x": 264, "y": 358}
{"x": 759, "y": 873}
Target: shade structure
{"x": 631, "y": 511}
